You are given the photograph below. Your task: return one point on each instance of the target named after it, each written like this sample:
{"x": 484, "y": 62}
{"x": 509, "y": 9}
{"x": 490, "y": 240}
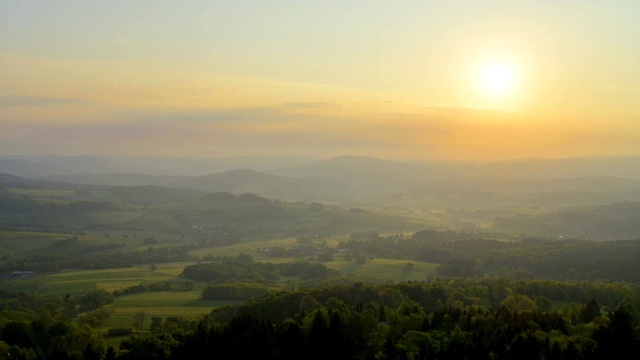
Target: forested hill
{"x": 599, "y": 222}
{"x": 10, "y": 179}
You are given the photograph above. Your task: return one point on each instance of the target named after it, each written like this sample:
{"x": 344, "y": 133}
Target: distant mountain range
{"x": 364, "y": 173}
{"x": 345, "y": 177}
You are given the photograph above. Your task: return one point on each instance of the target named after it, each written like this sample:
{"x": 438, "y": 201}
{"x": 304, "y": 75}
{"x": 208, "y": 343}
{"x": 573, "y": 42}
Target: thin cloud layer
{"x": 383, "y": 79}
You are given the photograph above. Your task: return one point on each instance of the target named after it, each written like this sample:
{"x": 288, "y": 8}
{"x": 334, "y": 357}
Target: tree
{"x": 111, "y": 354}
{"x": 518, "y": 302}
{"x": 138, "y": 320}
{"x": 360, "y": 258}
{"x": 156, "y": 324}
{"x": 96, "y": 299}
{"x": 589, "y": 311}
{"x": 616, "y": 340}
{"x": 543, "y": 303}
{"x": 188, "y": 285}
{"x": 89, "y": 353}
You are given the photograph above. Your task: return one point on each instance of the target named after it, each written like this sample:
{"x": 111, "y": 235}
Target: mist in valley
{"x": 297, "y": 180}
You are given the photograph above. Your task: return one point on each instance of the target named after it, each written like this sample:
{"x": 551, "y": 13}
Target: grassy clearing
{"x": 49, "y": 196}
{"x": 163, "y": 304}
{"x": 114, "y": 217}
{"x": 79, "y": 282}
{"x": 154, "y": 303}
{"x": 250, "y": 247}
{"x": 247, "y": 248}
{"x": 42, "y": 192}
{"x": 185, "y": 300}
{"x": 16, "y": 242}
{"x": 159, "y": 221}
{"x": 384, "y": 269}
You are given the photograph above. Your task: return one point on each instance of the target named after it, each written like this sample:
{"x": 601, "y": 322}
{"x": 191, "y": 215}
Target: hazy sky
{"x": 394, "y": 79}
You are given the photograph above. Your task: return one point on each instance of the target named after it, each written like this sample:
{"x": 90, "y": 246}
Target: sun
{"x": 497, "y": 78}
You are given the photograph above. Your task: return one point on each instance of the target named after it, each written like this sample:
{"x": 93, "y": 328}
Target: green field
{"x": 154, "y": 303}
{"x": 188, "y": 303}
{"x": 79, "y": 282}
{"x": 16, "y": 243}
{"x": 250, "y": 247}
{"x": 45, "y": 194}
{"x": 384, "y": 269}
{"x": 160, "y": 303}
{"x": 114, "y": 217}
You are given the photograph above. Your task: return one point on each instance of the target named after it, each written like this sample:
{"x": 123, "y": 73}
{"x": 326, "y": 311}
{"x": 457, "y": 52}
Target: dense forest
{"x": 456, "y": 319}
{"x": 468, "y": 254}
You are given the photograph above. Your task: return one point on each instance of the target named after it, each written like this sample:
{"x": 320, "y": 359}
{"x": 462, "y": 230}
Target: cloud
{"x": 277, "y": 130}
{"x": 185, "y": 116}
{"x": 284, "y": 128}
{"x": 14, "y": 100}
{"x": 307, "y": 105}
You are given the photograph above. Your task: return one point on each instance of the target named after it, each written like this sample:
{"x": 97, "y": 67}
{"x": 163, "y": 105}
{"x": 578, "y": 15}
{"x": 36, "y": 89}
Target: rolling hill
{"x": 244, "y": 180}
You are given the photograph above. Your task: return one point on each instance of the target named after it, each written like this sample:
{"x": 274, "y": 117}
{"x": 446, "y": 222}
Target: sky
{"x": 414, "y": 80}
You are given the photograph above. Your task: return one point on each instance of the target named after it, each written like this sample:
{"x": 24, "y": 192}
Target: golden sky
{"x": 393, "y": 79}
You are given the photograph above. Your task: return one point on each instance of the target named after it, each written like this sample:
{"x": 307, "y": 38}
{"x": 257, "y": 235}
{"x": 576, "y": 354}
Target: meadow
{"x": 188, "y": 304}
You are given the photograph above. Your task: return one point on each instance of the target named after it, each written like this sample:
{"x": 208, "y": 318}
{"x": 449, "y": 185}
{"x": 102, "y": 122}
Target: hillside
{"x": 600, "y": 222}
{"x": 493, "y": 191}
{"x": 366, "y": 173}
{"x": 10, "y": 179}
{"x": 244, "y": 180}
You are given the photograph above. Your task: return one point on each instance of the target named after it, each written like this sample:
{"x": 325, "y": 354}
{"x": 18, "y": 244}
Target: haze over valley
{"x": 314, "y": 180}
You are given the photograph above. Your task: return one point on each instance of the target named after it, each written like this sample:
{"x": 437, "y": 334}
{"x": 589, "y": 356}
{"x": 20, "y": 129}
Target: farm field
{"x": 77, "y": 282}
{"x": 188, "y": 303}
{"x": 163, "y": 304}
{"x": 13, "y": 243}
{"x": 155, "y": 303}
{"x": 250, "y": 247}
{"x": 247, "y": 248}
{"x": 385, "y": 269}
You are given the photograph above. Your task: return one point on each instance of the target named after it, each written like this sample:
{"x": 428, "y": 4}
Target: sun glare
{"x": 497, "y": 78}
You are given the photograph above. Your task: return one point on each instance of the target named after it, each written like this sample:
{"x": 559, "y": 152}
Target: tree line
{"x": 440, "y": 319}
{"x": 463, "y": 254}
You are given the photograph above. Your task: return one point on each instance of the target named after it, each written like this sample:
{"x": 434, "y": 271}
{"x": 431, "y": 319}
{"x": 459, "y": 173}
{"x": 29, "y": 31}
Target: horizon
{"x": 316, "y": 158}
{"x": 417, "y": 81}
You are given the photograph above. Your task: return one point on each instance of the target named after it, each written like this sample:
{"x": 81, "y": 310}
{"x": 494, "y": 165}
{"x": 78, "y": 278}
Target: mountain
{"x": 599, "y": 222}
{"x": 149, "y": 195}
{"x": 24, "y": 168}
{"x": 128, "y": 170}
{"x": 365, "y": 173}
{"x": 114, "y": 179}
{"x": 273, "y": 175}
{"x": 245, "y": 180}
{"x": 8, "y": 179}
{"x": 202, "y": 166}
{"x": 230, "y": 181}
